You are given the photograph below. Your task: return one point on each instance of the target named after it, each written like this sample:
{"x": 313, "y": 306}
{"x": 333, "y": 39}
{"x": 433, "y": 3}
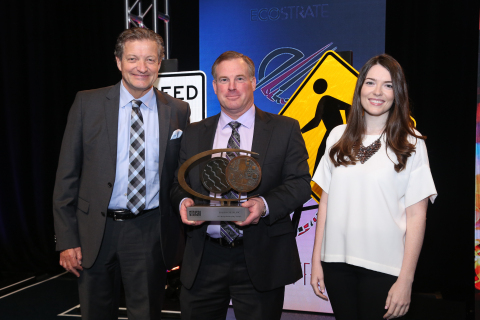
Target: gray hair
{"x": 135, "y": 34}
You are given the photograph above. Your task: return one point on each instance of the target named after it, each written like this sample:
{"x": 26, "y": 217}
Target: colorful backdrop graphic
{"x": 477, "y": 181}
{"x": 286, "y": 39}
{"x": 477, "y": 201}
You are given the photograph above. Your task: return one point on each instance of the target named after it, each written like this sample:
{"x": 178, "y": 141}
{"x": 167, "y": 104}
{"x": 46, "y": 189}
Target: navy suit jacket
{"x": 271, "y": 252}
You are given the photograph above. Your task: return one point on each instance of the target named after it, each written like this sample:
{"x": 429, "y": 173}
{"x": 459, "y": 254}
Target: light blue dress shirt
{"x": 151, "y": 127}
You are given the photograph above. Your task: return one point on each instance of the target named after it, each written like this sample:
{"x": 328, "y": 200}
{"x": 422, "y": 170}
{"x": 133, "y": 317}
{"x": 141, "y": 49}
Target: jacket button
{"x": 109, "y": 185}
{"x": 103, "y": 214}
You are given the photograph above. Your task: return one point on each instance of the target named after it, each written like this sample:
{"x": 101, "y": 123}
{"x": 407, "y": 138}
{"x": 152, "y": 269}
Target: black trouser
{"x": 223, "y": 275}
{"x": 356, "y": 293}
{"x": 131, "y": 250}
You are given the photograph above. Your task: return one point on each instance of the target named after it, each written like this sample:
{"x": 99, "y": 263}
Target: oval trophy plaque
{"x": 245, "y": 175}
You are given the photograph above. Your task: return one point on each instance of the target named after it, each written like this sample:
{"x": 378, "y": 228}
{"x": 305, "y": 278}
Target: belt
{"x": 125, "y": 214}
{"x": 224, "y": 243}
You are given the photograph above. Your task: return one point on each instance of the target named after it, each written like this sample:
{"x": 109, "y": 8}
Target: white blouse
{"x": 366, "y": 217}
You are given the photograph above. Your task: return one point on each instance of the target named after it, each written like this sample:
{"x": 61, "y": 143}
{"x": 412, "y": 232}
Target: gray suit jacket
{"x": 270, "y": 248}
{"x": 86, "y": 172}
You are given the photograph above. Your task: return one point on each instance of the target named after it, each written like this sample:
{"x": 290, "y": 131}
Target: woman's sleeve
{"x": 323, "y": 174}
{"x": 420, "y": 183}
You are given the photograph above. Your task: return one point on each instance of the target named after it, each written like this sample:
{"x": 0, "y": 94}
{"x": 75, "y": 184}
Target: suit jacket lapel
{"x": 205, "y": 141}
{"x": 164, "y": 111}
{"x": 261, "y": 135}
{"x": 111, "y": 107}
{"x": 207, "y": 135}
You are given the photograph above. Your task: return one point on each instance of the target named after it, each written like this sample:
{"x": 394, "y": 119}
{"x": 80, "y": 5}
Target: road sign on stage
{"x": 189, "y": 86}
{"x": 321, "y": 103}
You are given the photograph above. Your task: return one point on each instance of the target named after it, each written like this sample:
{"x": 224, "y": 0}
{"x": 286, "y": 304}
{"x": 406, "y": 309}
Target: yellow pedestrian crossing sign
{"x": 322, "y": 102}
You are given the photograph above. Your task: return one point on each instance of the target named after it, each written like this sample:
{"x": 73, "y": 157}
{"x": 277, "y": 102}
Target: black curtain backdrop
{"x": 437, "y": 42}
{"x": 49, "y": 50}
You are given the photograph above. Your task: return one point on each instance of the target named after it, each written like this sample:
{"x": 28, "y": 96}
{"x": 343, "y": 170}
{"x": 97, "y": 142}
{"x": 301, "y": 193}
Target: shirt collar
{"x": 247, "y": 119}
{"x": 125, "y": 97}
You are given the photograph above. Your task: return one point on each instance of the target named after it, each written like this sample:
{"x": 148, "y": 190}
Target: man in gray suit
{"x": 111, "y": 205}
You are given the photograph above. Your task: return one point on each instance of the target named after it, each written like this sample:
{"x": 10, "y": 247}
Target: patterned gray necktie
{"x": 136, "y": 171}
{"x": 234, "y": 141}
{"x": 229, "y": 230}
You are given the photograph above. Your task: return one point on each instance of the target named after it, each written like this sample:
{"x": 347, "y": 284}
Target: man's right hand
{"x": 71, "y": 260}
{"x": 187, "y": 202}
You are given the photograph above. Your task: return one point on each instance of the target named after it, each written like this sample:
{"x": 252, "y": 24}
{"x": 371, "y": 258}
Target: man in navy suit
{"x": 253, "y": 267}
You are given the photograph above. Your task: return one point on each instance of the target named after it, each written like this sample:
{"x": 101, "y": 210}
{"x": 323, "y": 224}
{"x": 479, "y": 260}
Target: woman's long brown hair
{"x": 398, "y": 126}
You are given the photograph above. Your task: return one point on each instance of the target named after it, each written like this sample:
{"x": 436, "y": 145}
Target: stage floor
{"x": 50, "y": 297}
{"x": 55, "y": 297}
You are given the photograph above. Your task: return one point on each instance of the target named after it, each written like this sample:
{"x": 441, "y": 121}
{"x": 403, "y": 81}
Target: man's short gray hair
{"x": 134, "y": 34}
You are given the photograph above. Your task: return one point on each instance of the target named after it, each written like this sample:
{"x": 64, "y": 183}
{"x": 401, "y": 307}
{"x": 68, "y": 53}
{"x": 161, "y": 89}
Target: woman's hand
{"x": 317, "y": 271}
{"x": 317, "y": 280}
{"x": 398, "y": 300}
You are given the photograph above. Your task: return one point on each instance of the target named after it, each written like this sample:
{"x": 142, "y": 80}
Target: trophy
{"x": 220, "y": 176}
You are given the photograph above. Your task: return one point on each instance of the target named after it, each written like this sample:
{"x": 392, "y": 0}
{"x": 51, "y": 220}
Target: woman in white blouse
{"x": 376, "y": 182}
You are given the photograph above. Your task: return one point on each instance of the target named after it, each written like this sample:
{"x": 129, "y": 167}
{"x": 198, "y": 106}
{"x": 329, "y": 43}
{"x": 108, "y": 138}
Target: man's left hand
{"x": 256, "y": 206}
